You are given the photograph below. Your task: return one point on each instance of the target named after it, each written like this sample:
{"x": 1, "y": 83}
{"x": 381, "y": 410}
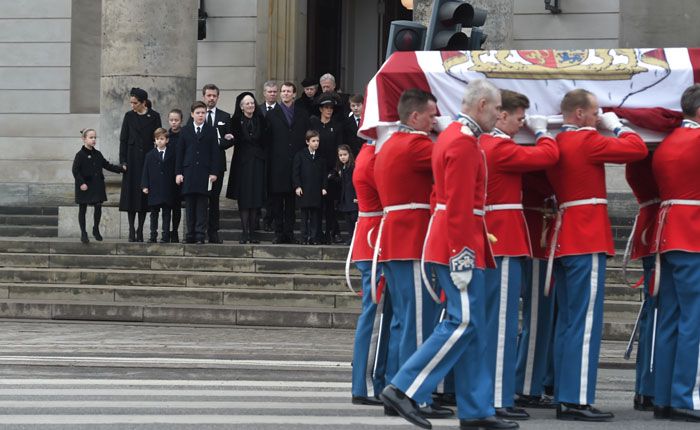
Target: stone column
{"x": 499, "y": 20}
{"x": 150, "y": 44}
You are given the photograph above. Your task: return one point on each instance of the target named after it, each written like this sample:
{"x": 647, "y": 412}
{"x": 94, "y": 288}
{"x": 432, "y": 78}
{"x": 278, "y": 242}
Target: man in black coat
{"x": 287, "y": 125}
{"x": 196, "y": 166}
{"x": 222, "y": 121}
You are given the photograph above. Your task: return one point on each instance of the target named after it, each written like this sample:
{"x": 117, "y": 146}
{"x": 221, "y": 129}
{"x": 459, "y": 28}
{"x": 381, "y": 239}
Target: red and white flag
{"x": 642, "y": 85}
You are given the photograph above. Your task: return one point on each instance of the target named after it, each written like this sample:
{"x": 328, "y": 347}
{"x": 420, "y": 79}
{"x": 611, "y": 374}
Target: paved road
{"x": 125, "y": 376}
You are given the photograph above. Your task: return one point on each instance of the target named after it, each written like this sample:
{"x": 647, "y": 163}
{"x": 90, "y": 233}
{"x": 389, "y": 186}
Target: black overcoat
{"x": 135, "y": 141}
{"x": 346, "y": 202}
{"x": 350, "y": 135}
{"x": 159, "y": 177}
{"x": 283, "y": 142}
{"x": 197, "y": 158}
{"x": 309, "y": 173}
{"x": 330, "y": 137}
{"x": 87, "y": 169}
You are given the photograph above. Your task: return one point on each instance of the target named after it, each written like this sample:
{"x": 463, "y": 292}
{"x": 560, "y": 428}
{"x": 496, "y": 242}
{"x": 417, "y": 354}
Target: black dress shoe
{"x": 405, "y": 406}
{"x": 364, "y": 400}
{"x": 688, "y": 415}
{"x": 278, "y": 240}
{"x": 492, "y": 422}
{"x": 153, "y": 239}
{"x": 445, "y": 399}
{"x": 139, "y": 236}
{"x": 435, "y": 412}
{"x": 253, "y": 241}
{"x": 337, "y": 239}
{"x": 574, "y": 412}
{"x": 84, "y": 237}
{"x": 512, "y": 413}
{"x": 200, "y": 241}
{"x": 214, "y": 238}
{"x": 132, "y": 236}
{"x": 164, "y": 240}
{"x": 174, "y": 237}
{"x": 536, "y": 402}
{"x": 390, "y": 412}
{"x": 662, "y": 412}
{"x": 643, "y": 403}
{"x": 96, "y": 234}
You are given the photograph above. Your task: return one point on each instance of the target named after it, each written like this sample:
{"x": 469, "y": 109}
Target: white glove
{"x": 537, "y": 123}
{"x": 609, "y": 121}
{"x": 442, "y": 122}
{"x": 461, "y": 279}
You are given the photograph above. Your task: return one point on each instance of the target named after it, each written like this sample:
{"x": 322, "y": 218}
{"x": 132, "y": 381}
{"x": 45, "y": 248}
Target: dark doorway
{"x": 324, "y": 38}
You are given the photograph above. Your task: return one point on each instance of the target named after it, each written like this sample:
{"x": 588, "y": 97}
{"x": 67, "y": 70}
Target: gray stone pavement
{"x": 73, "y": 375}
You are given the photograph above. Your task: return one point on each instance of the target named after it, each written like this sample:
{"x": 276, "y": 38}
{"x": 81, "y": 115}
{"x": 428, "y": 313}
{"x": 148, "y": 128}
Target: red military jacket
{"x": 367, "y": 202}
{"x": 506, "y": 161}
{"x": 676, "y": 169}
{"x": 457, "y": 235}
{"x": 640, "y": 178}
{"x": 539, "y": 208}
{"x": 580, "y": 174}
{"x": 403, "y": 175}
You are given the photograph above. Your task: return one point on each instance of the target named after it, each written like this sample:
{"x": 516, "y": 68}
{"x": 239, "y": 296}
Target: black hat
{"x": 327, "y": 99}
{"x": 139, "y": 94}
{"x": 308, "y": 82}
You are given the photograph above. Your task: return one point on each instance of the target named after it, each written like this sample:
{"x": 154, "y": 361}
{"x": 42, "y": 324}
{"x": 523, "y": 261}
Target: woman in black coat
{"x": 135, "y": 141}
{"x": 90, "y": 182}
{"x": 247, "y": 179}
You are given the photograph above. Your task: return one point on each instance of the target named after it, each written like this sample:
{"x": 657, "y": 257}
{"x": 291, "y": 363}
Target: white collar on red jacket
{"x": 499, "y": 133}
{"x": 573, "y": 127}
{"x": 403, "y": 128}
{"x": 689, "y": 123}
{"x": 469, "y": 122}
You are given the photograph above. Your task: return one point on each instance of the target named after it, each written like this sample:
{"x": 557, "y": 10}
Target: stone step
{"x": 35, "y": 220}
{"x": 29, "y": 210}
{"x": 234, "y": 223}
{"x": 180, "y": 295}
{"x": 28, "y": 231}
{"x": 266, "y": 236}
{"x": 168, "y": 278}
{"x": 182, "y": 314}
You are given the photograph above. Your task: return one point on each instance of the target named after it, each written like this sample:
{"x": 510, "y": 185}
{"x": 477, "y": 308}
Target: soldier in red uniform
{"x": 580, "y": 243}
{"x": 676, "y": 357}
{"x": 640, "y": 178}
{"x": 506, "y": 161}
{"x": 403, "y": 174}
{"x": 458, "y": 249}
{"x": 371, "y": 333}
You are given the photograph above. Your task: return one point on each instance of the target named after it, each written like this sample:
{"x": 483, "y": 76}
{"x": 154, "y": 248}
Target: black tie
{"x": 199, "y": 131}
{"x": 209, "y": 119}
{"x": 357, "y": 121}
{"x": 162, "y": 155}
{"x": 269, "y": 108}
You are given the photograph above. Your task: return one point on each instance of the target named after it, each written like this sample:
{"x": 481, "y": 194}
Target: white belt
{"x": 406, "y": 207}
{"x": 583, "y": 202}
{"x": 442, "y": 207}
{"x": 665, "y": 205}
{"x": 369, "y": 214}
{"x": 504, "y": 207}
{"x": 649, "y": 203}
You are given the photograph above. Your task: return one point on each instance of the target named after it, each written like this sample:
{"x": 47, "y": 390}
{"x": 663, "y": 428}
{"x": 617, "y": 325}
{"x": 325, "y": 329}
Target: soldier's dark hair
{"x": 413, "y": 100}
{"x": 690, "y": 101}
{"x": 196, "y": 105}
{"x": 210, "y": 87}
{"x": 575, "y": 99}
{"x": 176, "y": 111}
{"x": 311, "y": 133}
{"x": 357, "y": 98}
{"x": 511, "y": 101}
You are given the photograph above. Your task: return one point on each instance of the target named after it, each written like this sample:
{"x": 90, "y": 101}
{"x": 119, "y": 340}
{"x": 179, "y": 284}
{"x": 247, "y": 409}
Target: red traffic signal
{"x": 405, "y": 36}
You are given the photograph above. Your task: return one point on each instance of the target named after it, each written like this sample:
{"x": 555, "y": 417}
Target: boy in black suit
{"x": 196, "y": 167}
{"x": 158, "y": 181}
{"x": 352, "y": 124}
{"x": 309, "y": 179}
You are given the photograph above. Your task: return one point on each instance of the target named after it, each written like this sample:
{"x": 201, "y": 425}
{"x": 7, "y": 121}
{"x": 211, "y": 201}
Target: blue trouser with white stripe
{"x": 537, "y": 335}
{"x": 644, "y": 382}
{"x": 458, "y": 343}
{"x": 580, "y": 284}
{"x": 503, "y": 286}
{"x": 371, "y": 336}
{"x": 676, "y": 353}
{"x": 415, "y": 311}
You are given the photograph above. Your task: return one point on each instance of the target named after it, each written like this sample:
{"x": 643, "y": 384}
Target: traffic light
{"x": 405, "y": 36}
{"x": 448, "y": 19}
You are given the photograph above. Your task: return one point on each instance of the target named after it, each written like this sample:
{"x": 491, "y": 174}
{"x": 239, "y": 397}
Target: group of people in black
{"x": 289, "y": 153}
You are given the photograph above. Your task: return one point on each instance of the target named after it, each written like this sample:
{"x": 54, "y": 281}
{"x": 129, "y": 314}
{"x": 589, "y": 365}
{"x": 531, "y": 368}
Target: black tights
{"x": 248, "y": 220}
{"x": 132, "y": 219}
{"x": 97, "y": 215}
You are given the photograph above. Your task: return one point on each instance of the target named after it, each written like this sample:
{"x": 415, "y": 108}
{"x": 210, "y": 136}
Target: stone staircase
{"x": 37, "y": 221}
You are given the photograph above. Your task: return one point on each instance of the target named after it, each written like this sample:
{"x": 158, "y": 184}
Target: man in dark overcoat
{"x": 196, "y": 166}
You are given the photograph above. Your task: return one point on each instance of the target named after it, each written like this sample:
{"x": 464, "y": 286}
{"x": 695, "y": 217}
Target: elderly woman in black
{"x": 247, "y": 181}
{"x": 135, "y": 140}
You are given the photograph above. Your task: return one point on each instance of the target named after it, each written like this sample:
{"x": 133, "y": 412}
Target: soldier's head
{"x": 690, "y": 102}
{"x": 512, "y": 116}
{"x": 580, "y": 107}
{"x": 482, "y": 103}
{"x": 417, "y": 109}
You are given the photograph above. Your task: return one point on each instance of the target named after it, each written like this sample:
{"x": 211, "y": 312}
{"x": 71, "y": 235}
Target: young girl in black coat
{"x": 90, "y": 182}
{"x": 347, "y": 204}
